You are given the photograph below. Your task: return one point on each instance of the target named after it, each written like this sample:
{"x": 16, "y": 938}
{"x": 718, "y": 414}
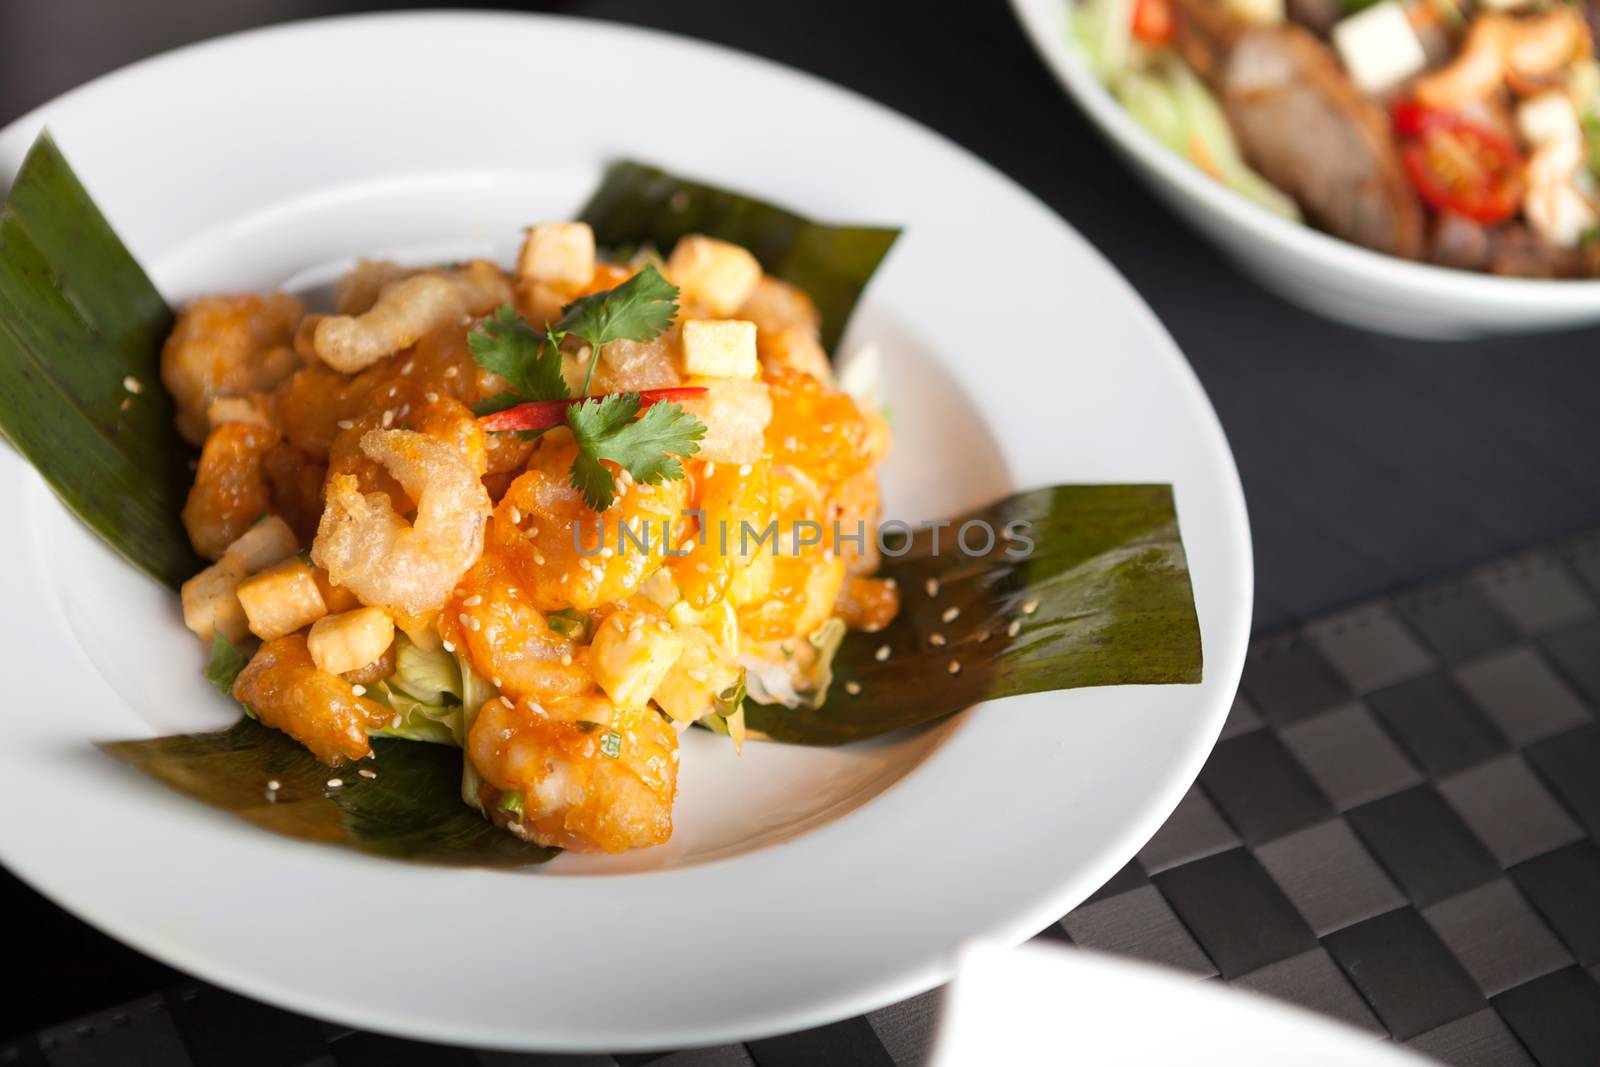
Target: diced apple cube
{"x": 690, "y": 688}
{"x": 350, "y": 640}
{"x": 282, "y": 599}
{"x": 631, "y": 653}
{"x": 735, "y": 414}
{"x": 714, "y": 274}
{"x": 720, "y": 348}
{"x": 1548, "y": 117}
{"x": 269, "y": 541}
{"x": 557, "y": 253}
{"x": 211, "y": 601}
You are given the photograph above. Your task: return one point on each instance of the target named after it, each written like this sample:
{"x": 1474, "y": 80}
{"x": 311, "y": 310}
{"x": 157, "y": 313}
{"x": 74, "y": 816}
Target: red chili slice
{"x": 1459, "y": 165}
{"x": 543, "y": 414}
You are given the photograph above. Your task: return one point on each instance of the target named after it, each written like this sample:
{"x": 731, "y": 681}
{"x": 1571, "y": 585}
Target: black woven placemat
{"x": 1398, "y": 828}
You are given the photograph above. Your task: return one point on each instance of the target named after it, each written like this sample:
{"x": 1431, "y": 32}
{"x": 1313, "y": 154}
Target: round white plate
{"x": 802, "y": 885}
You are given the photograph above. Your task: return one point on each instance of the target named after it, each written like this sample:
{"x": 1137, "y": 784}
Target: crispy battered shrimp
{"x": 508, "y": 640}
{"x": 407, "y": 309}
{"x": 408, "y": 568}
{"x": 227, "y": 346}
{"x": 288, "y": 692}
{"x": 1499, "y": 48}
{"x": 593, "y": 777}
{"x": 357, "y": 288}
{"x": 541, "y": 522}
{"x": 230, "y": 492}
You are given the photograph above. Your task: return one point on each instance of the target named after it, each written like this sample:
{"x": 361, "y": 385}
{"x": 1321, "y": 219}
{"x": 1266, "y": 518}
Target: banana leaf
{"x": 639, "y": 205}
{"x": 81, "y": 328}
{"x": 1102, "y": 598}
{"x": 410, "y": 810}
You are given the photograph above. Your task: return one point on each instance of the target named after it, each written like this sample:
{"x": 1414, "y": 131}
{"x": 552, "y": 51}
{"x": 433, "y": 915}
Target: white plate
{"x": 1015, "y": 357}
{"x": 1325, "y": 274}
{"x": 1008, "y": 1006}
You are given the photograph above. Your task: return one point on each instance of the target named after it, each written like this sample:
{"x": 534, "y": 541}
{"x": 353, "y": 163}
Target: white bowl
{"x": 1324, "y": 274}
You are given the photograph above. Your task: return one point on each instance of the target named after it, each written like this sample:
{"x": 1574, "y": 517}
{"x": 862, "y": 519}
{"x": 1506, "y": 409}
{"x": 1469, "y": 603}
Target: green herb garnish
{"x": 647, "y": 448}
{"x": 511, "y": 803}
{"x": 569, "y": 622}
{"x": 226, "y": 662}
{"x": 505, "y": 344}
{"x": 611, "y": 744}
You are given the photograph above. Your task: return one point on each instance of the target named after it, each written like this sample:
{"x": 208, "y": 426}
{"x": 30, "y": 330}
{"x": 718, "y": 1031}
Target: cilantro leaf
{"x": 647, "y": 448}
{"x": 226, "y": 662}
{"x": 504, "y": 344}
{"x": 637, "y": 310}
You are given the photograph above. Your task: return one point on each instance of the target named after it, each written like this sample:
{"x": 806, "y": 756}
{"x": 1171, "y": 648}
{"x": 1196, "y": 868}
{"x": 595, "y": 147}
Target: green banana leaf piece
{"x": 1103, "y": 598}
{"x": 411, "y": 810}
{"x": 79, "y": 323}
{"x": 639, "y": 205}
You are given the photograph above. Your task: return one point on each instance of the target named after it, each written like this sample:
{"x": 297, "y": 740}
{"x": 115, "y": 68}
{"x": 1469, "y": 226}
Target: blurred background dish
{"x": 1350, "y": 173}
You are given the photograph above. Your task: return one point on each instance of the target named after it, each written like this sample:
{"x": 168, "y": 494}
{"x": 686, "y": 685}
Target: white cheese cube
{"x": 281, "y": 599}
{"x": 211, "y": 601}
{"x": 351, "y": 640}
{"x": 267, "y": 542}
{"x": 1379, "y": 48}
{"x": 631, "y": 653}
{"x": 557, "y": 253}
{"x": 1548, "y": 117}
{"x": 720, "y": 348}
{"x": 714, "y": 274}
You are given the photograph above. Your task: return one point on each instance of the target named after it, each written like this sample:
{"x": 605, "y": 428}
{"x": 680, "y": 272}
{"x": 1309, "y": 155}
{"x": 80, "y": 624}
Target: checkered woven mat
{"x": 1398, "y": 828}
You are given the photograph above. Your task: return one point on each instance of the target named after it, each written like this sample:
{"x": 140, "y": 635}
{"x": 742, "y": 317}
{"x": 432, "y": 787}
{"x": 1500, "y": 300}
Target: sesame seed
{"x": 711, "y": 468}
{"x": 472, "y": 601}
{"x": 540, "y": 560}
{"x": 451, "y": 372}
{"x": 359, "y": 690}
{"x": 274, "y": 785}
{"x": 346, "y": 424}
{"x": 955, "y": 666}
{"x": 932, "y": 586}
{"x": 363, "y": 772}
{"x": 633, "y": 637}
{"x": 891, "y": 583}
{"x": 507, "y": 702}
{"x": 744, "y": 470}
{"x": 463, "y": 618}
{"x": 536, "y": 708}
{"x": 335, "y": 783}
{"x": 394, "y": 723}
{"x": 497, "y": 683}
{"x": 408, "y": 367}
{"x": 936, "y": 640}
{"x": 606, "y": 553}
{"x": 133, "y": 385}
{"x": 431, "y": 396}
{"x": 516, "y": 516}
{"x": 127, "y": 404}
{"x": 448, "y": 647}
{"x": 984, "y": 635}
{"x": 882, "y": 654}
{"x": 566, "y": 659}
{"x": 1030, "y": 607}
{"x": 1014, "y": 628}
{"x": 474, "y": 625}
{"x": 853, "y": 688}
{"x": 388, "y": 418}
{"x": 950, "y": 614}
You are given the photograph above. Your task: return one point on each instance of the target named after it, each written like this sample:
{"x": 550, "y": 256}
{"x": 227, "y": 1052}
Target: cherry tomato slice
{"x": 1153, "y": 21}
{"x": 1459, "y": 165}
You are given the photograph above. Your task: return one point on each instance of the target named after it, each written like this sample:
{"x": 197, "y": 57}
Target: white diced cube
{"x": 715, "y": 274}
{"x": 350, "y": 640}
{"x": 1548, "y": 117}
{"x": 281, "y": 599}
{"x": 631, "y": 654}
{"x": 1256, "y": 12}
{"x": 211, "y": 601}
{"x": 1379, "y": 48}
{"x": 557, "y": 253}
{"x": 267, "y": 542}
{"x": 720, "y": 348}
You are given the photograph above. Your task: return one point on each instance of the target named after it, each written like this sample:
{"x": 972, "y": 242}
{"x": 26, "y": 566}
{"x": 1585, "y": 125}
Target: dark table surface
{"x": 1368, "y": 462}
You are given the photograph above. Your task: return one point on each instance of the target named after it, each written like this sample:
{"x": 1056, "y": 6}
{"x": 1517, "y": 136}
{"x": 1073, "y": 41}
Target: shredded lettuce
{"x": 424, "y": 692}
{"x": 427, "y": 676}
{"x": 801, "y": 678}
{"x": 475, "y": 690}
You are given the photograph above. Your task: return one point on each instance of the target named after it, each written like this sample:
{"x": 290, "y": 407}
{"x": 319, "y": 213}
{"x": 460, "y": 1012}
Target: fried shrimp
{"x": 358, "y": 288}
{"x": 322, "y": 711}
{"x": 224, "y": 346}
{"x": 593, "y": 777}
{"x": 1501, "y": 48}
{"x": 406, "y": 567}
{"x": 230, "y": 491}
{"x": 406, "y": 310}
